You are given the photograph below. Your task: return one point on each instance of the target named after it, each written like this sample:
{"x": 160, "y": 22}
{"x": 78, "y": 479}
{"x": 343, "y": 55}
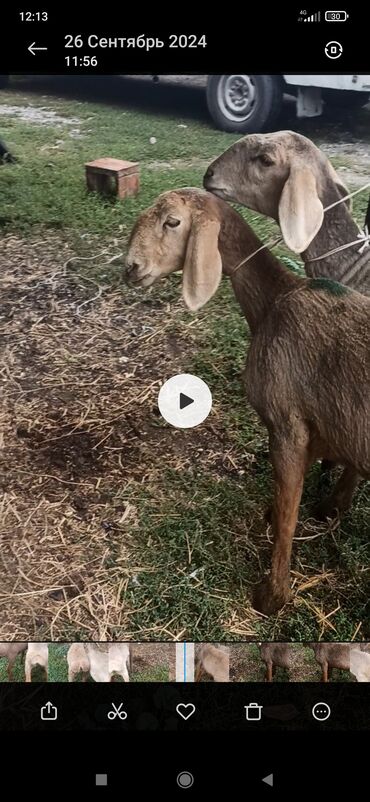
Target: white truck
{"x": 251, "y": 103}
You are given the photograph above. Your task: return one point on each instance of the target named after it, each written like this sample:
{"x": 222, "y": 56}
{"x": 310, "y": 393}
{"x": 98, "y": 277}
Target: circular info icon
{"x": 184, "y": 401}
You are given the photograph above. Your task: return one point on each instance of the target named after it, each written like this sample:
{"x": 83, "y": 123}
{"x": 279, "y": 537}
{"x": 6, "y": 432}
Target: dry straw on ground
{"x": 73, "y": 419}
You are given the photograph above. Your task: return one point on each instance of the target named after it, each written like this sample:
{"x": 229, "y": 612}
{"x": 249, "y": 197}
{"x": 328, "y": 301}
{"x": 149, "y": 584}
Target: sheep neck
{"x": 258, "y": 282}
{"x": 349, "y": 266}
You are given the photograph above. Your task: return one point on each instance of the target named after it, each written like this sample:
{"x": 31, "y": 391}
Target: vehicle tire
{"x": 345, "y": 99}
{"x": 244, "y": 104}
{"x": 4, "y": 80}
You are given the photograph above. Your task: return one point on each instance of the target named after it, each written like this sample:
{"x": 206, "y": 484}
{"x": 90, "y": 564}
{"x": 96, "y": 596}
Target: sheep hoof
{"x": 326, "y": 509}
{"x": 268, "y": 599}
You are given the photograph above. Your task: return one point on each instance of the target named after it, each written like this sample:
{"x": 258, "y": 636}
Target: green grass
{"x": 201, "y": 541}
{"x": 47, "y": 186}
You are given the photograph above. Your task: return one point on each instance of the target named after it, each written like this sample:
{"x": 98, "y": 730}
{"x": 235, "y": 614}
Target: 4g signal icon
{"x": 304, "y": 17}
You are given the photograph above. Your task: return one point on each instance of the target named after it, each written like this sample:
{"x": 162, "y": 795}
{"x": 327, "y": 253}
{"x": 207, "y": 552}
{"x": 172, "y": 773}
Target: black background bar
{"x": 222, "y": 768}
{"x": 258, "y": 38}
{"x": 219, "y": 707}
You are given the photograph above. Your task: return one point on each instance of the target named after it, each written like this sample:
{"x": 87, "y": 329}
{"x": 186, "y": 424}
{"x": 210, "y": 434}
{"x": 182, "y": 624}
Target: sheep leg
{"x": 10, "y": 670}
{"x": 290, "y": 465}
{"x": 325, "y": 475}
{"x": 198, "y": 672}
{"x": 269, "y": 672}
{"x": 325, "y": 672}
{"x": 341, "y": 497}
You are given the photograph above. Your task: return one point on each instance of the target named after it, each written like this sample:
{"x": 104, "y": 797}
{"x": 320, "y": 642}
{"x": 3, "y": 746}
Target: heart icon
{"x": 185, "y": 711}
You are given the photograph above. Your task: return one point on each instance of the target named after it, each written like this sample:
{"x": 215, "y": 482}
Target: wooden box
{"x": 113, "y": 177}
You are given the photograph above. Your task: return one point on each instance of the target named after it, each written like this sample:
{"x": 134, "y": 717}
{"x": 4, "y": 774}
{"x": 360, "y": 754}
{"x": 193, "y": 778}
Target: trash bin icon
{"x": 253, "y": 711}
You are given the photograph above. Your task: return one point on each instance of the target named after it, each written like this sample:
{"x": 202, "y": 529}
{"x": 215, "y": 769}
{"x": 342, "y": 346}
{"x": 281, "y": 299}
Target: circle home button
{"x": 185, "y": 779}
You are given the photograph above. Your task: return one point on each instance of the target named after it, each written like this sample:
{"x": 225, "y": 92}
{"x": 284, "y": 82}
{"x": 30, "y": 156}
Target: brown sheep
{"x": 285, "y": 176}
{"x": 332, "y": 655}
{"x": 336, "y": 655}
{"x": 308, "y": 368}
{"x": 275, "y": 655}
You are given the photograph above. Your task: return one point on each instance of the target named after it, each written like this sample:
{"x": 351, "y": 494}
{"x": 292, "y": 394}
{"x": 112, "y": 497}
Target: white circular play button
{"x": 184, "y": 401}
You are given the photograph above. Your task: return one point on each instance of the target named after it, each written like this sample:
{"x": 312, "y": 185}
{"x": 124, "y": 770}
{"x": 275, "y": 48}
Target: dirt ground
{"x": 146, "y": 656}
{"x": 80, "y": 426}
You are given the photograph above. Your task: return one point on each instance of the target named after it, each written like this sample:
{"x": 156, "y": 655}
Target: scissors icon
{"x": 117, "y": 711}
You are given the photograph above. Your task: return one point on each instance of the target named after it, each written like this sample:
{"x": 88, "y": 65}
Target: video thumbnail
{"x": 201, "y": 662}
{"x": 300, "y": 662}
{"x": 82, "y": 662}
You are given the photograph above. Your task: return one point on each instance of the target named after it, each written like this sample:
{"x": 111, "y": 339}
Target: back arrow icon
{"x": 32, "y": 48}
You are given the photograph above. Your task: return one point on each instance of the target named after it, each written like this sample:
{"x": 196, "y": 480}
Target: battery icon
{"x": 336, "y": 16}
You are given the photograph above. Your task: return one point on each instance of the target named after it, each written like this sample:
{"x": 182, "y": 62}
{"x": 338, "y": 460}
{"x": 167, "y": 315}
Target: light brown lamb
{"x": 212, "y": 661}
{"x": 37, "y": 654}
{"x": 78, "y": 662}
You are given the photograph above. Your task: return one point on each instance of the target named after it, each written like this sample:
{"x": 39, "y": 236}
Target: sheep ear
{"x": 300, "y": 209}
{"x": 202, "y": 269}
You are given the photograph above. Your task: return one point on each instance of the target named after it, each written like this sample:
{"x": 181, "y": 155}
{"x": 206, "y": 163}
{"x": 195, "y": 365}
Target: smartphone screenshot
{"x": 185, "y": 395}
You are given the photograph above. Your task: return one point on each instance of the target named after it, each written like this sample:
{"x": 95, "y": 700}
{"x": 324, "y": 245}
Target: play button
{"x": 184, "y": 401}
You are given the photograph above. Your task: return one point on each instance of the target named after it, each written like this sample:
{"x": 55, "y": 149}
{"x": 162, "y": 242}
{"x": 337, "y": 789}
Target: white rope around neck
{"x": 362, "y": 237}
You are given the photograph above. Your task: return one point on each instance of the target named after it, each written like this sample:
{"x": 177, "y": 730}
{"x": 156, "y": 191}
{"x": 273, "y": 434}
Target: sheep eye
{"x": 171, "y": 222}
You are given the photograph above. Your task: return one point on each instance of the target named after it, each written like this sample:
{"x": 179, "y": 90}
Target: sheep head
{"x": 179, "y": 232}
{"x": 282, "y": 175}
